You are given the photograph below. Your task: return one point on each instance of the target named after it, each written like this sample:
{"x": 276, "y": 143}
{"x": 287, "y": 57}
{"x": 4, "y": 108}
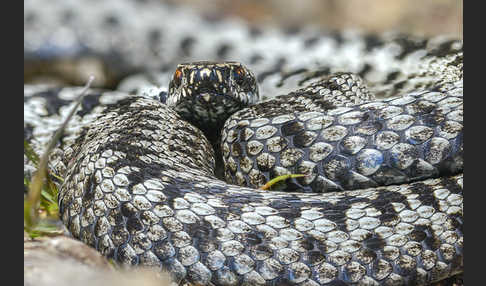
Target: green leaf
{"x": 30, "y": 153}
{"x": 48, "y": 197}
{"x": 40, "y": 194}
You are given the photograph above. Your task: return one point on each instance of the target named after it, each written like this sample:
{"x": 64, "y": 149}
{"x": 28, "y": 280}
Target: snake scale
{"x": 375, "y": 122}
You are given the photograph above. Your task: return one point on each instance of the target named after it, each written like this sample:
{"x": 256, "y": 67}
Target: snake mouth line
{"x": 209, "y": 110}
{"x": 209, "y": 106}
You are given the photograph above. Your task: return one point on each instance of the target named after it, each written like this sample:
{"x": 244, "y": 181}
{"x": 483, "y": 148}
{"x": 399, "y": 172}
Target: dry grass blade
{"x": 31, "y": 204}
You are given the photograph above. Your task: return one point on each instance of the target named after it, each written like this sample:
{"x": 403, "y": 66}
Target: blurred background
{"x": 417, "y": 17}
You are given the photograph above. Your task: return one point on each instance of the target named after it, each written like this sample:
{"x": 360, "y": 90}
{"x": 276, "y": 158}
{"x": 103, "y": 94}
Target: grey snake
{"x": 382, "y": 200}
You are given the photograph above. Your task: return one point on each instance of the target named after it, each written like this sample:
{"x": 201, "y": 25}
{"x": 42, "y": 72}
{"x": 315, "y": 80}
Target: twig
{"x": 31, "y": 205}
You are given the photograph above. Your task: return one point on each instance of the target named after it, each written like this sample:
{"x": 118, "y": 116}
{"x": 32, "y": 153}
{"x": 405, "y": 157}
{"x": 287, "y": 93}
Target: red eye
{"x": 240, "y": 71}
{"x": 239, "y": 74}
{"x": 177, "y": 77}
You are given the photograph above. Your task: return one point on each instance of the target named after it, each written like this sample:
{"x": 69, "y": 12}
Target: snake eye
{"x": 239, "y": 74}
{"x": 177, "y": 77}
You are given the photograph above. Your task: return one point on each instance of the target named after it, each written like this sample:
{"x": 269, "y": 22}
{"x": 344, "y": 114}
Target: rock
{"x": 60, "y": 261}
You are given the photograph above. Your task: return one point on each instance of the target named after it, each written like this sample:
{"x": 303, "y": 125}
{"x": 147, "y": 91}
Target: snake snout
{"x": 207, "y": 93}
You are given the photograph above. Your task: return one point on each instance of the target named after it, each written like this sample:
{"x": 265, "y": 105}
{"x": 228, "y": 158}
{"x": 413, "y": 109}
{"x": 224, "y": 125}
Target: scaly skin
{"x": 139, "y": 184}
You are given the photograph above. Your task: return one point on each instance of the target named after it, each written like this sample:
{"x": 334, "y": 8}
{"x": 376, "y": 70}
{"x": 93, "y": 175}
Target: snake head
{"x": 207, "y": 93}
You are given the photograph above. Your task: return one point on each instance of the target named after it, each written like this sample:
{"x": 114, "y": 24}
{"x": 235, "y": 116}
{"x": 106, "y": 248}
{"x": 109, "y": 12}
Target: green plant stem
{"x": 31, "y": 205}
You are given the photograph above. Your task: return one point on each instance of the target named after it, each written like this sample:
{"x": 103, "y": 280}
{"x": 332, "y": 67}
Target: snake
{"x": 374, "y": 122}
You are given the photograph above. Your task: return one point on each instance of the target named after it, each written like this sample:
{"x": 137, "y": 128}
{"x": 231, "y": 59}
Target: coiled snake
{"x": 139, "y": 181}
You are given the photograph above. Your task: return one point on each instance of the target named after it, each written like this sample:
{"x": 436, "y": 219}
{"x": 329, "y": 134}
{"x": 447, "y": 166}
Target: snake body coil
{"x": 382, "y": 200}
